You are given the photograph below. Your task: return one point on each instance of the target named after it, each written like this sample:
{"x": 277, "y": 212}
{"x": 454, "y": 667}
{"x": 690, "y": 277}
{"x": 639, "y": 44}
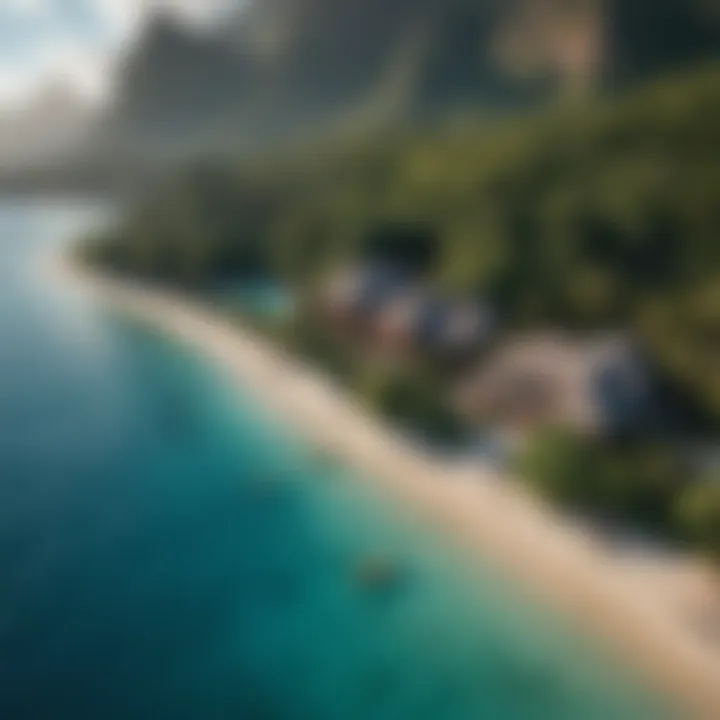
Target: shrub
{"x": 697, "y": 514}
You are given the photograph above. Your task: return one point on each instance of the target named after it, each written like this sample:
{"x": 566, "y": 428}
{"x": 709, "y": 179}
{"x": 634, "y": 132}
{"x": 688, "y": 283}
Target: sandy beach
{"x": 661, "y": 615}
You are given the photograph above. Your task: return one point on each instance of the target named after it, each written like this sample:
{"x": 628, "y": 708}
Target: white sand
{"x": 651, "y": 612}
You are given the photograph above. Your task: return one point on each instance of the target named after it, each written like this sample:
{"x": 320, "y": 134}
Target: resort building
{"x": 405, "y": 319}
{"x": 417, "y": 321}
{"x": 468, "y": 327}
{"x": 397, "y": 317}
{"x": 357, "y": 293}
{"x": 594, "y": 386}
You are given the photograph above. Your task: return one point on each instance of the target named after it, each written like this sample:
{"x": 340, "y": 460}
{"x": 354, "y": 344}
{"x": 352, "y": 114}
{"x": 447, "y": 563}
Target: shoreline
{"x": 637, "y": 607}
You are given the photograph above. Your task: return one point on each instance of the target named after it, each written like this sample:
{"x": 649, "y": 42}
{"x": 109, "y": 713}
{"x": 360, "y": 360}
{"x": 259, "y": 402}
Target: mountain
{"x": 283, "y": 69}
{"x": 173, "y": 85}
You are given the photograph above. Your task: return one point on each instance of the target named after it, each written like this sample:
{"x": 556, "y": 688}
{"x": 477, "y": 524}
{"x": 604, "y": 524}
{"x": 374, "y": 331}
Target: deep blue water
{"x": 169, "y": 551}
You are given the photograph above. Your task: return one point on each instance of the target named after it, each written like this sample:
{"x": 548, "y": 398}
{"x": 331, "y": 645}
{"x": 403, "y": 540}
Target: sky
{"x": 76, "y": 41}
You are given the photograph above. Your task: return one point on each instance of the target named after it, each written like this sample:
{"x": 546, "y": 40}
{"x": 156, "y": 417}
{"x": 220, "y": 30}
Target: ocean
{"x": 169, "y": 550}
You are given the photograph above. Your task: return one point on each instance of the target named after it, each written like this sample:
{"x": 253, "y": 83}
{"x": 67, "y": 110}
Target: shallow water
{"x": 168, "y": 550}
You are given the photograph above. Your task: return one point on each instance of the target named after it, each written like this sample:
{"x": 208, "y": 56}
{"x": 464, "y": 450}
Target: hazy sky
{"x": 76, "y": 40}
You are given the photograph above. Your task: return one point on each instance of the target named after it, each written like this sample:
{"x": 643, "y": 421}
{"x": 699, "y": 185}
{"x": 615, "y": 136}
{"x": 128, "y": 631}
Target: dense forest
{"x": 591, "y": 216}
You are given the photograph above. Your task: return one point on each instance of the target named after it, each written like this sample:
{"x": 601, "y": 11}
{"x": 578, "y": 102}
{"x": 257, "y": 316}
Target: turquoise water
{"x": 169, "y": 551}
{"x": 265, "y": 299}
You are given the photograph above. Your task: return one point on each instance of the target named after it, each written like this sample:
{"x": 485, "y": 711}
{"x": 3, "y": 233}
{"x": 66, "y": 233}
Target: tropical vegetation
{"x": 590, "y": 216}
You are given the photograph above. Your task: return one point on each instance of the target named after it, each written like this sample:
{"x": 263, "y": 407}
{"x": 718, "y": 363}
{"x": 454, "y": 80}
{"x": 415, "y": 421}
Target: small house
{"x": 419, "y": 321}
{"x": 467, "y": 327}
{"x": 356, "y": 294}
{"x": 404, "y": 318}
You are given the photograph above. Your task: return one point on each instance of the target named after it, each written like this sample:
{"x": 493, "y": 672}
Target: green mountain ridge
{"x": 287, "y": 68}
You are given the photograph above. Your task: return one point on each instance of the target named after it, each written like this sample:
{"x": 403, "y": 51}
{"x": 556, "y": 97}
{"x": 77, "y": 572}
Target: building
{"x": 417, "y": 321}
{"x": 595, "y": 386}
{"x": 356, "y": 294}
{"x": 404, "y": 318}
{"x": 467, "y": 328}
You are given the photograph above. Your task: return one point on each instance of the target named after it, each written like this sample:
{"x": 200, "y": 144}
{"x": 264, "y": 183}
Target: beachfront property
{"x": 353, "y": 295}
{"x": 591, "y": 384}
{"x": 418, "y": 321}
{"x": 398, "y": 316}
{"x": 596, "y": 386}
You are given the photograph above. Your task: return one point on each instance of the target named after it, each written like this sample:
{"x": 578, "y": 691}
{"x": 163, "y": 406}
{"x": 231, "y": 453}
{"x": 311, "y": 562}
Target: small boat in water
{"x": 327, "y": 459}
{"x": 380, "y": 574}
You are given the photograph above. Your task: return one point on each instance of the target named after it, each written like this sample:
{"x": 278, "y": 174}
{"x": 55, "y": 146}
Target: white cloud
{"x": 25, "y": 8}
{"x": 13, "y": 87}
{"x": 80, "y": 66}
{"x": 85, "y": 67}
{"x": 86, "y": 62}
{"x": 126, "y": 16}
